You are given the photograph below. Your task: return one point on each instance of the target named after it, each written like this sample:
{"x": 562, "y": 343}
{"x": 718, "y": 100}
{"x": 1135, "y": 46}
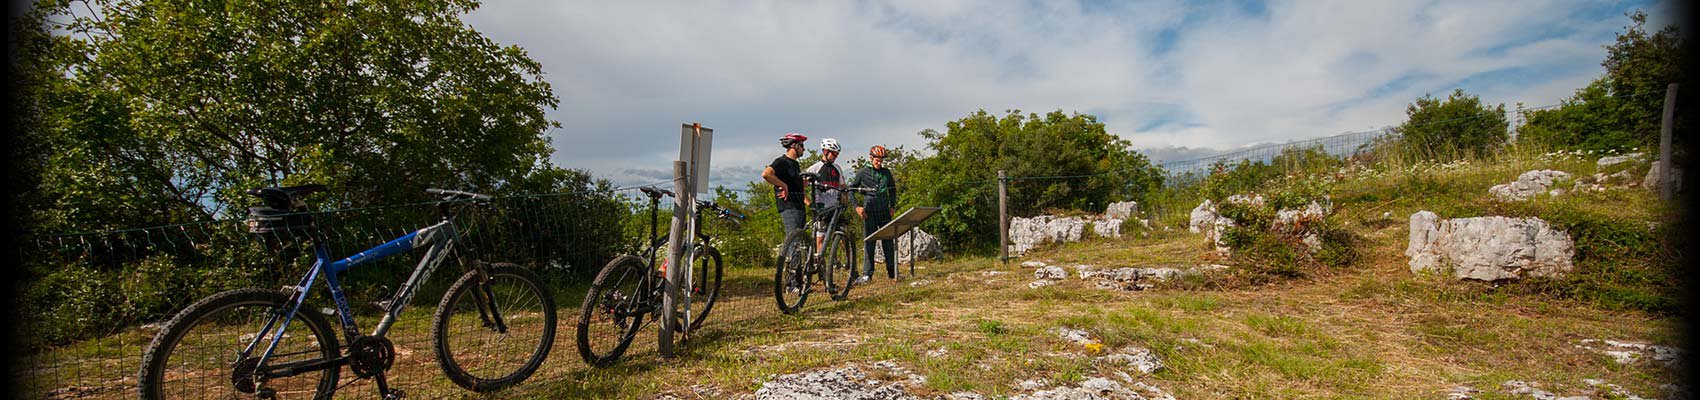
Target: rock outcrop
{"x": 1299, "y": 222}
{"x": 1121, "y": 210}
{"x": 854, "y": 381}
{"x": 1651, "y": 181}
{"x": 1528, "y": 185}
{"x": 1027, "y": 233}
{"x": 1488, "y": 248}
{"x": 1609, "y": 161}
{"x": 926, "y": 245}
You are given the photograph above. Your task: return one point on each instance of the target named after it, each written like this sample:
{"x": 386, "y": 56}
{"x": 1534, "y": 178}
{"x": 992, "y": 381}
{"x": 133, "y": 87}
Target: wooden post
{"x": 1003, "y": 219}
{"x": 675, "y": 253}
{"x": 1666, "y": 184}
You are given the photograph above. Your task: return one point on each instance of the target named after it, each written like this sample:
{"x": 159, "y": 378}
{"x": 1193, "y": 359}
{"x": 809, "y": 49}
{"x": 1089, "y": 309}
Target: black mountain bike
{"x": 627, "y": 294}
{"x": 492, "y": 330}
{"x": 799, "y": 265}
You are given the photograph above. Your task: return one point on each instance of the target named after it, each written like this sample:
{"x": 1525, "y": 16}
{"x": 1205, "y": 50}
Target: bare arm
{"x": 778, "y": 185}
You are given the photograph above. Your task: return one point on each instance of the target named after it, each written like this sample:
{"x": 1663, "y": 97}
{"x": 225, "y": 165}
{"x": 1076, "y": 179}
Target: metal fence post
{"x": 675, "y": 252}
{"x": 1666, "y": 189}
{"x": 1003, "y": 219}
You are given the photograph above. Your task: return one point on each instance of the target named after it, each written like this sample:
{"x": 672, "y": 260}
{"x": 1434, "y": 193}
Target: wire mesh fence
{"x": 93, "y": 348}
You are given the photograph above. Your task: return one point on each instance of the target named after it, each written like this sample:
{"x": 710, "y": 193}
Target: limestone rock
{"x": 1651, "y": 181}
{"x": 1108, "y": 227}
{"x": 1488, "y": 248}
{"x": 926, "y": 245}
{"x": 1120, "y": 210}
{"x": 1202, "y": 217}
{"x": 1528, "y": 185}
{"x": 849, "y": 382}
{"x": 1027, "y": 233}
{"x": 1609, "y": 161}
{"x": 1141, "y": 359}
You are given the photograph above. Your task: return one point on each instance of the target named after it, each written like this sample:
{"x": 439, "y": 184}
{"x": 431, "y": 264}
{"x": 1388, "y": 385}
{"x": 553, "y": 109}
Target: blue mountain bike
{"x": 492, "y": 329}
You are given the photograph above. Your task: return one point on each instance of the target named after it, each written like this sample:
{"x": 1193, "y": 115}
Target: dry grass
{"x": 1369, "y": 331}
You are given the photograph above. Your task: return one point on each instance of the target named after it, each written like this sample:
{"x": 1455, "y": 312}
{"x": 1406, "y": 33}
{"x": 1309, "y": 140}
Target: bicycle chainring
{"x": 370, "y": 355}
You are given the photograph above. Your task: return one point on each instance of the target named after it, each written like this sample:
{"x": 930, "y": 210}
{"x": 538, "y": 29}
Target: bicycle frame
{"x": 440, "y": 239}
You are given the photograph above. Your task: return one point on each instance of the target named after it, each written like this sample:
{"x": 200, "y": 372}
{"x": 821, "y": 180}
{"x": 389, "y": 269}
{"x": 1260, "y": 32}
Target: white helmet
{"x": 829, "y": 144}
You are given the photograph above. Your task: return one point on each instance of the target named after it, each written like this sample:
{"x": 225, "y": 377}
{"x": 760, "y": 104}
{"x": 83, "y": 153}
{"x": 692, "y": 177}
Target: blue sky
{"x": 1178, "y": 78}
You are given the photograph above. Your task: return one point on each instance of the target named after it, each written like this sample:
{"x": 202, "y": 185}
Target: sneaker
{"x": 861, "y": 280}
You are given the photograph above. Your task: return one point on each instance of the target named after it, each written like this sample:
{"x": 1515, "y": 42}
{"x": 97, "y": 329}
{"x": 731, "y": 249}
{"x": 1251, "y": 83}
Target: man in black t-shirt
{"x": 786, "y": 177}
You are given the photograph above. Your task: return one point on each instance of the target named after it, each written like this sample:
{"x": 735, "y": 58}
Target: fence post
{"x": 1666, "y": 189}
{"x": 675, "y": 252}
{"x": 1003, "y": 219}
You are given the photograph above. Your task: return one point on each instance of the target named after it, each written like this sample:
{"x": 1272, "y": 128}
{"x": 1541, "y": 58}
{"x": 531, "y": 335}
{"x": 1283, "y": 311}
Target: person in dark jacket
{"x": 876, "y": 210}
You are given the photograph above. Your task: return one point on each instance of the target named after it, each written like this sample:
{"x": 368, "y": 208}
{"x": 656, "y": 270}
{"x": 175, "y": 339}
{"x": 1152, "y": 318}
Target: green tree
{"x": 166, "y": 111}
{"x": 1457, "y": 126}
{"x": 152, "y": 112}
{"x": 1622, "y": 108}
{"x": 1056, "y": 162}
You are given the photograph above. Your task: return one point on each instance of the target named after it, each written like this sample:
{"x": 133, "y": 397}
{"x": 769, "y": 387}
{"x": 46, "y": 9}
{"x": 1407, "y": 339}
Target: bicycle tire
{"x": 705, "y": 282}
{"x": 710, "y": 268}
{"x": 840, "y": 265}
{"x": 170, "y": 341}
{"x": 608, "y": 286}
{"x": 793, "y": 263}
{"x": 507, "y": 284}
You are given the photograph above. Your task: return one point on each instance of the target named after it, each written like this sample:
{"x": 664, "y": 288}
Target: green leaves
{"x": 1622, "y": 109}
{"x": 1056, "y": 161}
{"x": 1458, "y": 126}
{"x": 185, "y": 104}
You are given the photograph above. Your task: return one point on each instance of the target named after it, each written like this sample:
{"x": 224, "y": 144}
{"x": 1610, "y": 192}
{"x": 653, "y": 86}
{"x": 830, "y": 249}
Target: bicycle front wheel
{"x": 840, "y": 265}
{"x": 793, "y": 277}
{"x": 494, "y": 330}
{"x": 618, "y": 305}
{"x": 200, "y": 352}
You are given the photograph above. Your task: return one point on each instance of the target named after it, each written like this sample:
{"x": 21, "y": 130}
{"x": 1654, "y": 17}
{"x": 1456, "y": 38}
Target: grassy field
{"x": 1372, "y": 330}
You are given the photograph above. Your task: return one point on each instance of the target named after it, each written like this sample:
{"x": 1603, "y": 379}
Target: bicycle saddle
{"x": 285, "y": 198}
{"x": 654, "y": 193}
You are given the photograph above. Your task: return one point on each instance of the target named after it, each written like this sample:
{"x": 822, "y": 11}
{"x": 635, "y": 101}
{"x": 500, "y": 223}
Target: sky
{"x": 1180, "y": 79}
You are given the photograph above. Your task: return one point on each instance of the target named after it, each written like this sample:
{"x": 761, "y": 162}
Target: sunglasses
{"x": 879, "y": 157}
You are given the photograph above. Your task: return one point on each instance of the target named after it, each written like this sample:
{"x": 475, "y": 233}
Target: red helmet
{"x": 792, "y": 138}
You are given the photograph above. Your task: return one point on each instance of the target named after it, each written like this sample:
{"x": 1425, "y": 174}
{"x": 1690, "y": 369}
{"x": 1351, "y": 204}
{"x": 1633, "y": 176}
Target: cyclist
{"x": 786, "y": 177}
{"x": 876, "y": 210}
{"x": 826, "y": 200}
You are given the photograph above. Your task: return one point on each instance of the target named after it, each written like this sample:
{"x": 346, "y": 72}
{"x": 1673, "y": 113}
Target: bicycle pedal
{"x": 395, "y": 394}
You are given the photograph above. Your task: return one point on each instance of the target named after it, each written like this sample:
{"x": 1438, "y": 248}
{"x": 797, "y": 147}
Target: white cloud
{"x": 877, "y": 72}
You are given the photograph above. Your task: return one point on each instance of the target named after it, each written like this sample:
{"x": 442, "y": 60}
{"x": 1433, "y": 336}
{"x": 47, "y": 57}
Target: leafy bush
{"x": 1458, "y": 126}
{"x": 1058, "y": 161}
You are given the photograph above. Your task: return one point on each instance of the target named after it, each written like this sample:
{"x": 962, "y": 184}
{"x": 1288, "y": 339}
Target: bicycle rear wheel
{"x": 618, "y": 304}
{"x": 840, "y": 265}
{"x": 494, "y": 331}
{"x": 198, "y": 354}
{"x": 792, "y": 278}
